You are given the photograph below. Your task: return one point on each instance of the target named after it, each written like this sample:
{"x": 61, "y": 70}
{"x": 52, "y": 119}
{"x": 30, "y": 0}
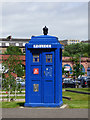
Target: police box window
{"x": 35, "y": 57}
{"x": 48, "y": 58}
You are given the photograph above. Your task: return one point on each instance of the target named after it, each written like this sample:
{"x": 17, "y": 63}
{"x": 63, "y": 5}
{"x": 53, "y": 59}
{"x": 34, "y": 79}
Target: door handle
{"x": 44, "y": 72}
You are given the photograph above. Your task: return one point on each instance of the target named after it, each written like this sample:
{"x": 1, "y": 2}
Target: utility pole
{"x": 9, "y": 93}
{"x": 80, "y": 63}
{"x": 80, "y": 60}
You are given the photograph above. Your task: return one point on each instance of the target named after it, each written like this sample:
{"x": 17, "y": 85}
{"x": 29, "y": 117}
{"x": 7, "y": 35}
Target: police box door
{"x": 42, "y": 77}
{"x": 48, "y": 77}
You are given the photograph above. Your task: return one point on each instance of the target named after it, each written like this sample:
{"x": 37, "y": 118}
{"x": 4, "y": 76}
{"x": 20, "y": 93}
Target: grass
{"x": 77, "y": 100}
{"x": 12, "y": 104}
{"x": 76, "y": 104}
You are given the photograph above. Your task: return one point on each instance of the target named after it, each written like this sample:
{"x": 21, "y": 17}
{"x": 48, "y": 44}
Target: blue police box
{"x": 43, "y": 71}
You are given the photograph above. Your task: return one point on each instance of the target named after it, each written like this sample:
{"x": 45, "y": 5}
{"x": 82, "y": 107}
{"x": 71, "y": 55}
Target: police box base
{"x": 43, "y": 104}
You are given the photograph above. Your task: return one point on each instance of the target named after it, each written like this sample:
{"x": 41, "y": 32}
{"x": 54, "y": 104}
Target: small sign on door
{"x": 35, "y": 87}
{"x": 35, "y": 71}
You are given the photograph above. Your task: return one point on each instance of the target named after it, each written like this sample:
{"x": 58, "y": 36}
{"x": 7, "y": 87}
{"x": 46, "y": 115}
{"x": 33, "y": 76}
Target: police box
{"x": 43, "y": 71}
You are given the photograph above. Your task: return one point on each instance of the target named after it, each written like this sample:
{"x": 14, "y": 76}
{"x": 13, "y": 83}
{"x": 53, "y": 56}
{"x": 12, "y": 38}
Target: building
{"x": 87, "y": 41}
{"x": 5, "y": 42}
{"x": 68, "y": 42}
{"x": 66, "y": 62}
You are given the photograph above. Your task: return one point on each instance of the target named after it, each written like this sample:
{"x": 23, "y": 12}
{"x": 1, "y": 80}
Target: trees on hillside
{"x": 77, "y": 49}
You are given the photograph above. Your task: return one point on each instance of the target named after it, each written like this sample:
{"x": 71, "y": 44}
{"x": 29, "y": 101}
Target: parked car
{"x": 18, "y": 78}
{"x": 77, "y": 82}
{"x": 88, "y": 81}
{"x": 20, "y": 81}
{"x": 85, "y": 81}
{"x": 68, "y": 83}
{"x": 63, "y": 78}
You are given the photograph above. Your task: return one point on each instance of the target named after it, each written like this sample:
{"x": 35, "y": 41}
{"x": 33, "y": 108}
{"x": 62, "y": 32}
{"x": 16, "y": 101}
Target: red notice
{"x": 35, "y": 71}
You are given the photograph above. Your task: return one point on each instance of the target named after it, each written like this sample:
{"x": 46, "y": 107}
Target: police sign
{"x": 41, "y": 46}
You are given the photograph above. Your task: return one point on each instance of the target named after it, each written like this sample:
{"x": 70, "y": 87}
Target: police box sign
{"x": 41, "y": 46}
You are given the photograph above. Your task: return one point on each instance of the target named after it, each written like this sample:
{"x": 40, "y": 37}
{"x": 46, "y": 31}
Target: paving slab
{"x": 29, "y": 112}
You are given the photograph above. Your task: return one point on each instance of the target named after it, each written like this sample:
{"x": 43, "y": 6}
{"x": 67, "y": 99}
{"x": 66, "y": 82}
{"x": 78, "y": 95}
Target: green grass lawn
{"x": 12, "y": 104}
{"x": 77, "y": 100}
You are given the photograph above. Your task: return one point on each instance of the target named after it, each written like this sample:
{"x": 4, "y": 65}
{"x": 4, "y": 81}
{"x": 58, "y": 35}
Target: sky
{"x": 65, "y": 20}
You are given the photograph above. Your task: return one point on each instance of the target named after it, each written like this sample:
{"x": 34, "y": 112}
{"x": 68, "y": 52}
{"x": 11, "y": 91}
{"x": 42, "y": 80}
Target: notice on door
{"x": 35, "y": 71}
{"x": 35, "y": 87}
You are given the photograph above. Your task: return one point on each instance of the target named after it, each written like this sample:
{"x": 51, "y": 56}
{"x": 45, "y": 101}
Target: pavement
{"x": 28, "y": 112}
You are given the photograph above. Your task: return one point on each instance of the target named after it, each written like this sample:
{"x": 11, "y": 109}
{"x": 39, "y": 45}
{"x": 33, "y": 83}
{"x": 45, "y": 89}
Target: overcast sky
{"x": 64, "y": 20}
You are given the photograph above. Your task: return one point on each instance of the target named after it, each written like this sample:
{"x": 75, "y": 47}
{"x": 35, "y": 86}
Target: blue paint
{"x": 44, "y": 88}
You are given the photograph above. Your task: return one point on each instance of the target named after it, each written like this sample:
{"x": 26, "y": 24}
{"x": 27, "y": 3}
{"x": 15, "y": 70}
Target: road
{"x": 28, "y": 112}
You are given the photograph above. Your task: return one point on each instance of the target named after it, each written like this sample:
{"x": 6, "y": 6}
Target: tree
{"x": 14, "y": 66}
{"x": 9, "y": 84}
{"x": 77, "y": 68}
{"x": 74, "y": 49}
{"x": 65, "y": 54}
{"x": 13, "y": 50}
{"x": 63, "y": 70}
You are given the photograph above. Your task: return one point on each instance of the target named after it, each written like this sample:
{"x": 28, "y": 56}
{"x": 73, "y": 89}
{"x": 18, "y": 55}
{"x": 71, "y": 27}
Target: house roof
{"x": 14, "y": 39}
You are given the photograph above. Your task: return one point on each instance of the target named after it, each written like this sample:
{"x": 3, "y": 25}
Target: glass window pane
{"x": 49, "y": 58}
{"x": 35, "y": 57}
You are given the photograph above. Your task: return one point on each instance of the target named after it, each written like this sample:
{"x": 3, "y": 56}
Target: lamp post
{"x": 80, "y": 63}
{"x": 80, "y": 60}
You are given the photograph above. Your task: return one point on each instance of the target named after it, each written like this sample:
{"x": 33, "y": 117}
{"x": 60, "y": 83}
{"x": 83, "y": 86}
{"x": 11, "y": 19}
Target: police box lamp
{"x": 43, "y": 84}
{"x": 45, "y": 30}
